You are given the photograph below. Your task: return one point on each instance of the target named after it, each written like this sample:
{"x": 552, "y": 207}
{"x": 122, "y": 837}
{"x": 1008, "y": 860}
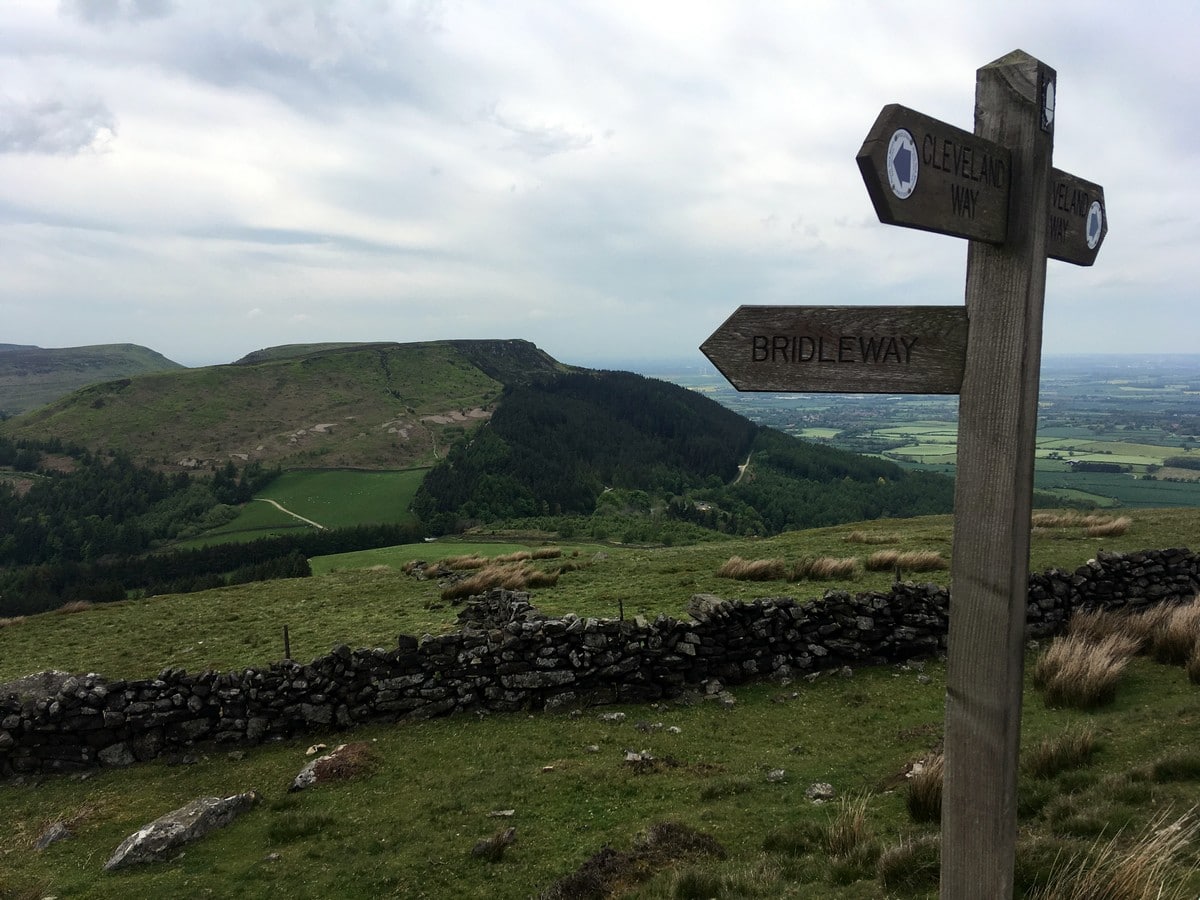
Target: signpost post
{"x": 995, "y": 187}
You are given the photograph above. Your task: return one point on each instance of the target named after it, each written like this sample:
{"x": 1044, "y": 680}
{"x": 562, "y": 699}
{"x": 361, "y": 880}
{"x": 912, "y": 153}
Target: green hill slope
{"x": 33, "y": 376}
{"x": 571, "y": 444}
{"x": 380, "y": 406}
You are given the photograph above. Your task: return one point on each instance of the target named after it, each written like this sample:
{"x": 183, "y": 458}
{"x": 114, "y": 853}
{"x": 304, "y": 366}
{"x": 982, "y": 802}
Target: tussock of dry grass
{"x": 908, "y": 560}
{"x": 468, "y": 561}
{"x": 511, "y": 577}
{"x": 517, "y": 556}
{"x": 1141, "y": 868}
{"x": 872, "y": 537}
{"x": 1069, "y": 750}
{"x": 924, "y": 797}
{"x": 810, "y": 568}
{"x": 849, "y": 829}
{"x": 824, "y": 568}
{"x": 1115, "y": 528}
{"x": 11, "y": 620}
{"x": 1178, "y": 629}
{"x": 1080, "y": 673}
{"x": 1097, "y": 624}
{"x": 753, "y": 569}
{"x": 547, "y": 553}
{"x": 1075, "y": 520}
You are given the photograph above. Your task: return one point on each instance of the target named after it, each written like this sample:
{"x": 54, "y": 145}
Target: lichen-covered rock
{"x": 160, "y": 838}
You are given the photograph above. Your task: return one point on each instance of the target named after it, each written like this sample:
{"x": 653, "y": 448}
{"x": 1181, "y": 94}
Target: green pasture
{"x": 338, "y": 497}
{"x": 819, "y": 434}
{"x": 333, "y": 498}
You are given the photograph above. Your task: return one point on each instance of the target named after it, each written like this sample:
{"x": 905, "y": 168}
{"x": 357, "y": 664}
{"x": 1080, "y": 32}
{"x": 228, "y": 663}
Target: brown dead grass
{"x": 924, "y": 795}
{"x": 1115, "y": 528}
{"x": 741, "y": 569}
{"x": 907, "y": 561}
{"x": 467, "y": 561}
{"x": 510, "y": 577}
{"x": 825, "y": 568}
{"x": 345, "y": 762}
{"x": 1075, "y": 520}
{"x": 1124, "y": 868}
{"x": 1178, "y": 629}
{"x": 1083, "y": 674}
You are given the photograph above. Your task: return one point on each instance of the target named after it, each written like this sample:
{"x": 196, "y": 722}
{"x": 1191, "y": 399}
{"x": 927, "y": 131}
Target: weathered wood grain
{"x": 843, "y": 349}
{"x": 993, "y": 498}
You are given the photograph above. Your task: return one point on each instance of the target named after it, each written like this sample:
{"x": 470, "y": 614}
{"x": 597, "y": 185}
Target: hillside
{"x": 34, "y": 376}
{"x": 580, "y": 442}
{"x": 566, "y": 781}
{"x": 377, "y": 406}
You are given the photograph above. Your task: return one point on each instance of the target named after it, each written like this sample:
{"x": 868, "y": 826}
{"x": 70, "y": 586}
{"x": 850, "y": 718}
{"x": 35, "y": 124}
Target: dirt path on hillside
{"x": 742, "y": 468}
{"x": 283, "y": 509}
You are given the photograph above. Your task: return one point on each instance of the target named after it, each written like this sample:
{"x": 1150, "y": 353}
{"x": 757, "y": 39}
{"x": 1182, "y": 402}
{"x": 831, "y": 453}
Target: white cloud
{"x": 604, "y": 178}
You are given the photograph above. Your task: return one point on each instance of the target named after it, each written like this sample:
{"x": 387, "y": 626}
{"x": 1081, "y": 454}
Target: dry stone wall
{"x": 507, "y": 657}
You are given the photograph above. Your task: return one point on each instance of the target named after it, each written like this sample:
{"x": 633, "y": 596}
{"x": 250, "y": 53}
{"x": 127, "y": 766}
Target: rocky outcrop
{"x": 507, "y": 656}
{"x": 166, "y": 834}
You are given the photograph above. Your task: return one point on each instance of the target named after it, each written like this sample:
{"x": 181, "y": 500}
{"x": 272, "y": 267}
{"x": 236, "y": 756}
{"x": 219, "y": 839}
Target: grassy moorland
{"x": 33, "y": 376}
{"x": 735, "y": 772}
{"x": 371, "y": 406}
{"x": 363, "y": 599}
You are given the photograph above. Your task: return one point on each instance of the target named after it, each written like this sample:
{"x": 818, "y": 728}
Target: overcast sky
{"x": 608, "y": 179}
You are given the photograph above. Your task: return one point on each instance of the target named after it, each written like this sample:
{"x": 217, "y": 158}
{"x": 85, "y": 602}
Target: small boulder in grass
{"x": 820, "y": 792}
{"x": 344, "y": 762}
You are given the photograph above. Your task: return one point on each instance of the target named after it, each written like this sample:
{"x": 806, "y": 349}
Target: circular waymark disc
{"x": 1095, "y": 224}
{"x": 902, "y": 163}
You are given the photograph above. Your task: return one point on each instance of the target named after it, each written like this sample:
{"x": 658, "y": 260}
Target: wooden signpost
{"x": 848, "y": 349}
{"x": 995, "y": 187}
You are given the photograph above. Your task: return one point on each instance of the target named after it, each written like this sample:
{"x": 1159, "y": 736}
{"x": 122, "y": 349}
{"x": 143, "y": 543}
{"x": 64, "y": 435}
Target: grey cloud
{"x": 107, "y": 12}
{"x": 53, "y": 126}
{"x": 313, "y": 57}
{"x": 540, "y": 141}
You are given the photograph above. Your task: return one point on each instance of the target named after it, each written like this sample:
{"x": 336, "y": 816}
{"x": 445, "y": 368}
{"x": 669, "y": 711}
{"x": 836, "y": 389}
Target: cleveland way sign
{"x": 995, "y": 187}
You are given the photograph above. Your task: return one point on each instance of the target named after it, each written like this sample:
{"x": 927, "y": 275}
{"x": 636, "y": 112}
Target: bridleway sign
{"x": 996, "y": 188}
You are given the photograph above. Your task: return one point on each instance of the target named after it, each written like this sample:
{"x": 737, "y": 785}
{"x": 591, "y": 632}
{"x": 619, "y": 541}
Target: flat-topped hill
{"x": 379, "y": 405}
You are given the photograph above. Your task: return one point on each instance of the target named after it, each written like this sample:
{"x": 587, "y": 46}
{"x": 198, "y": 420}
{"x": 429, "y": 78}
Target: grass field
{"x": 408, "y": 827}
{"x": 334, "y": 498}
